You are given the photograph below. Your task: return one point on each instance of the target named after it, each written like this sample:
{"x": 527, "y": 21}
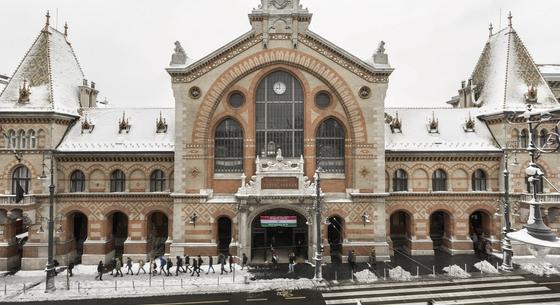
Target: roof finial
{"x": 65, "y": 28}
{"x": 490, "y": 28}
{"x": 509, "y": 19}
{"x": 47, "y": 23}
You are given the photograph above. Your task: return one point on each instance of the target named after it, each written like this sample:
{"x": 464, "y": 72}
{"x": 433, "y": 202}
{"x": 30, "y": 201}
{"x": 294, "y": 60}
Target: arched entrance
{"x": 20, "y": 224}
{"x": 283, "y": 230}
{"x": 224, "y": 234}
{"x": 400, "y": 230}
{"x": 119, "y": 231}
{"x": 157, "y": 233}
{"x": 335, "y": 234}
{"x": 440, "y": 226}
{"x": 480, "y": 224}
{"x": 80, "y": 231}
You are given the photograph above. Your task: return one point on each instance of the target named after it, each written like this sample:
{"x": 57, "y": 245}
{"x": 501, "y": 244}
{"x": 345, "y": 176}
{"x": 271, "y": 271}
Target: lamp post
{"x": 50, "y": 269}
{"x": 317, "y": 207}
{"x": 507, "y": 250}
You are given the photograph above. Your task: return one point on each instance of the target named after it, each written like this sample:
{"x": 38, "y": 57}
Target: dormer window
{"x": 24, "y": 93}
{"x": 433, "y": 124}
{"x": 87, "y": 126}
{"x": 469, "y": 124}
{"x": 161, "y": 124}
{"x": 396, "y": 124}
{"x": 124, "y": 126}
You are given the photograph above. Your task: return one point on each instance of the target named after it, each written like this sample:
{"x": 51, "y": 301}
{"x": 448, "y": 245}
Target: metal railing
{"x": 547, "y": 198}
{"x": 11, "y": 200}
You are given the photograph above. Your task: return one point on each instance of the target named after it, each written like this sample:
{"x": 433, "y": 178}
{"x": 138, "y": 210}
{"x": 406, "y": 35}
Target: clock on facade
{"x": 279, "y": 88}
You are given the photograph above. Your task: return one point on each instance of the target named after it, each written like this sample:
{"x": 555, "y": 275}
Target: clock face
{"x": 279, "y": 88}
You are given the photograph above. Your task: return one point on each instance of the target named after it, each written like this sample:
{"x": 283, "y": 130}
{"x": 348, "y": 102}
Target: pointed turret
{"x": 504, "y": 74}
{"x": 52, "y": 75}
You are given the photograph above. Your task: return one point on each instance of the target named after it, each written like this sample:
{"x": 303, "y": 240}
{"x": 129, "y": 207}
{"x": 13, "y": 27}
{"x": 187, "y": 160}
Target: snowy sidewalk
{"x": 83, "y": 286}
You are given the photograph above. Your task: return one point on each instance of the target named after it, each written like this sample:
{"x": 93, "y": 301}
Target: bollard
{"x": 181, "y": 283}
{"x": 163, "y": 283}
{"x": 336, "y": 276}
{"x": 234, "y": 274}
{"x": 218, "y": 280}
{"x": 384, "y": 273}
{"x": 78, "y": 287}
{"x": 497, "y": 266}
{"x": 115, "y": 285}
{"x": 466, "y": 268}
{"x": 5, "y": 290}
{"x": 352, "y": 275}
{"x": 67, "y": 280}
{"x": 417, "y": 272}
{"x": 133, "y": 287}
{"x": 24, "y": 288}
{"x": 434, "y": 270}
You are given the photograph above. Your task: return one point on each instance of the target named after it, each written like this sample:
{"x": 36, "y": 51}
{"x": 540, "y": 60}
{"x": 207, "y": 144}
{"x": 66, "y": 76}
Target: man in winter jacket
{"x": 162, "y": 264}
{"x": 231, "y": 263}
{"x": 129, "y": 266}
{"x": 222, "y": 262}
{"x": 210, "y": 264}
{"x": 195, "y": 267}
{"x": 141, "y": 266}
{"x": 200, "y": 262}
{"x": 118, "y": 267}
{"x": 179, "y": 265}
{"x": 244, "y": 263}
{"x": 169, "y": 265}
{"x": 100, "y": 268}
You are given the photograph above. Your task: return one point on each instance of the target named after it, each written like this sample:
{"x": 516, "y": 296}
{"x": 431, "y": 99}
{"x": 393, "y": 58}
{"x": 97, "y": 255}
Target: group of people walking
{"x": 182, "y": 265}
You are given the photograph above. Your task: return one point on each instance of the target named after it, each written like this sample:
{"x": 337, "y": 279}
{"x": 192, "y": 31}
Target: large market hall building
{"x": 231, "y": 168}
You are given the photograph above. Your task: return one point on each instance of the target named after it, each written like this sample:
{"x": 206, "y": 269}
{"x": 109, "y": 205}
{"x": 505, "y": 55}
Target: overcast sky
{"x": 124, "y": 46}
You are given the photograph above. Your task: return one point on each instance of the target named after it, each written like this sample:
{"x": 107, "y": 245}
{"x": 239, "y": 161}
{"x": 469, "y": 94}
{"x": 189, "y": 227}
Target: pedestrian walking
{"x": 179, "y": 265}
{"x": 274, "y": 259}
{"x": 141, "y": 266}
{"x": 231, "y": 263}
{"x": 162, "y": 264}
{"x": 70, "y": 268}
{"x": 100, "y": 268}
{"x": 352, "y": 260}
{"x": 291, "y": 262}
{"x": 187, "y": 263}
{"x": 169, "y": 265}
{"x": 154, "y": 267}
{"x": 113, "y": 264}
{"x": 371, "y": 259}
{"x": 200, "y": 262}
{"x": 488, "y": 249}
{"x": 244, "y": 261}
{"x": 210, "y": 264}
{"x": 129, "y": 266}
{"x": 195, "y": 267}
{"x": 222, "y": 262}
{"x": 118, "y": 267}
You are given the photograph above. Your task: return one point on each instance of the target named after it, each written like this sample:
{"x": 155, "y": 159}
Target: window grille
{"x": 330, "y": 146}
{"x": 228, "y": 147}
{"x": 279, "y": 117}
{"x": 77, "y": 181}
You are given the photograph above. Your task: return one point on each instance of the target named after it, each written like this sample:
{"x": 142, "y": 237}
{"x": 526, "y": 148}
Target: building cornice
{"x": 442, "y": 156}
{"x": 115, "y": 156}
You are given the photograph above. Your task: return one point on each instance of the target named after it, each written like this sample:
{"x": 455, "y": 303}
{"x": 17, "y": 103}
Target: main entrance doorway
{"x": 281, "y": 230}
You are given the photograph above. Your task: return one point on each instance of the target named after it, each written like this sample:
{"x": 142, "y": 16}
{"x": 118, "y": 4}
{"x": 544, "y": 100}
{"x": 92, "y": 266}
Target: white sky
{"x": 125, "y": 45}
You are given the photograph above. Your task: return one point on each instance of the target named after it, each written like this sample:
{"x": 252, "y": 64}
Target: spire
{"x": 490, "y": 28}
{"x": 47, "y": 22}
{"x": 509, "y": 19}
{"x": 65, "y": 29}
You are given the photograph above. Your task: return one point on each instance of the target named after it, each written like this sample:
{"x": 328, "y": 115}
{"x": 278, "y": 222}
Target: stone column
{"x": 244, "y": 229}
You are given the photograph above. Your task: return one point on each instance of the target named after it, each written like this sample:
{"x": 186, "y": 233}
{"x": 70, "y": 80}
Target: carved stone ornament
{"x": 195, "y": 92}
{"x": 179, "y": 57}
{"x": 469, "y": 124}
{"x": 364, "y": 172}
{"x": 531, "y": 95}
{"x": 364, "y": 92}
{"x": 24, "y": 93}
{"x": 123, "y": 124}
{"x": 433, "y": 124}
{"x": 87, "y": 125}
{"x": 195, "y": 172}
{"x": 161, "y": 124}
{"x": 280, "y": 4}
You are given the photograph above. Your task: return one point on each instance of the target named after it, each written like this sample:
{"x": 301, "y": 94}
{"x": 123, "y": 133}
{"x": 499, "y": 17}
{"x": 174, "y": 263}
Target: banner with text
{"x": 278, "y": 221}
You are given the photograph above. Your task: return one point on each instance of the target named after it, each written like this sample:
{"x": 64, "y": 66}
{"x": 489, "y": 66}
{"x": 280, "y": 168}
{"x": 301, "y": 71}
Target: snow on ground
{"x": 399, "y": 274}
{"x": 83, "y": 285}
{"x": 486, "y": 267}
{"x": 365, "y": 276}
{"x": 542, "y": 267}
{"x": 456, "y": 271}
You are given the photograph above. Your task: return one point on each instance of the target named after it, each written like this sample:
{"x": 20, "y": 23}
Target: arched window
{"x": 543, "y": 136}
{"x": 118, "y": 181}
{"x": 12, "y": 139}
{"x": 279, "y": 116}
{"x": 439, "y": 181}
{"x": 157, "y": 181}
{"x": 31, "y": 138}
{"x": 22, "y": 139}
{"x": 330, "y": 146}
{"x": 479, "y": 180}
{"x": 77, "y": 181}
{"x": 400, "y": 181}
{"x": 515, "y": 137}
{"x": 228, "y": 147}
{"x": 22, "y": 177}
{"x": 524, "y": 139}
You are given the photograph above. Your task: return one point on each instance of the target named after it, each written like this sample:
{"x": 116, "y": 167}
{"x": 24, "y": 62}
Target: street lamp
{"x": 50, "y": 269}
{"x": 317, "y": 208}
{"x": 535, "y": 233}
{"x": 507, "y": 250}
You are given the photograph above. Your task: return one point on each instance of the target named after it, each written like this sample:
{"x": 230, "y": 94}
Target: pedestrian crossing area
{"x": 484, "y": 290}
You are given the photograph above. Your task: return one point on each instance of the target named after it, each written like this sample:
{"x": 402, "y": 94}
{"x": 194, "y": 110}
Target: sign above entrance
{"x": 278, "y": 221}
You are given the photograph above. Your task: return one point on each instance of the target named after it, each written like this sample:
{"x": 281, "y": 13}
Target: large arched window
{"x": 279, "y": 116}
{"x": 330, "y": 146}
{"x": 118, "y": 181}
{"x": 400, "y": 181}
{"x": 524, "y": 139}
{"x": 228, "y": 147}
{"x": 77, "y": 181}
{"x": 21, "y": 176}
{"x": 439, "y": 181}
{"x": 31, "y": 138}
{"x": 157, "y": 181}
{"x": 479, "y": 180}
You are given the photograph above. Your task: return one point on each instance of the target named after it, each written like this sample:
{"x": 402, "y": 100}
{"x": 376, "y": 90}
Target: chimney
{"x": 93, "y": 96}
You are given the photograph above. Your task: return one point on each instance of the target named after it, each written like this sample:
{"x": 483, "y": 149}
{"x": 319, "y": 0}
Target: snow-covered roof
{"x": 53, "y": 74}
{"x": 504, "y": 72}
{"x": 550, "y": 72}
{"x": 105, "y": 135}
{"x": 451, "y": 132}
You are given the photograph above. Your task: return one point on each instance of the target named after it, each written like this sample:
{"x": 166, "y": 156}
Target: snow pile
{"x": 540, "y": 268}
{"x": 486, "y": 267}
{"x": 456, "y": 271}
{"x": 399, "y": 274}
{"x": 365, "y": 276}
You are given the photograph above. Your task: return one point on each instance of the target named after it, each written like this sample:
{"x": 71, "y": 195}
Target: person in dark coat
{"x": 141, "y": 266}
{"x": 70, "y": 267}
{"x": 100, "y": 268}
{"x": 195, "y": 267}
{"x": 200, "y": 262}
{"x": 187, "y": 263}
{"x": 351, "y": 260}
{"x": 231, "y": 263}
{"x": 55, "y": 264}
{"x": 118, "y": 268}
{"x": 210, "y": 264}
{"x": 244, "y": 262}
{"x": 113, "y": 264}
{"x": 162, "y": 264}
{"x": 179, "y": 265}
{"x": 154, "y": 267}
{"x": 222, "y": 262}
{"x": 129, "y": 266}
{"x": 169, "y": 265}
{"x": 291, "y": 262}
